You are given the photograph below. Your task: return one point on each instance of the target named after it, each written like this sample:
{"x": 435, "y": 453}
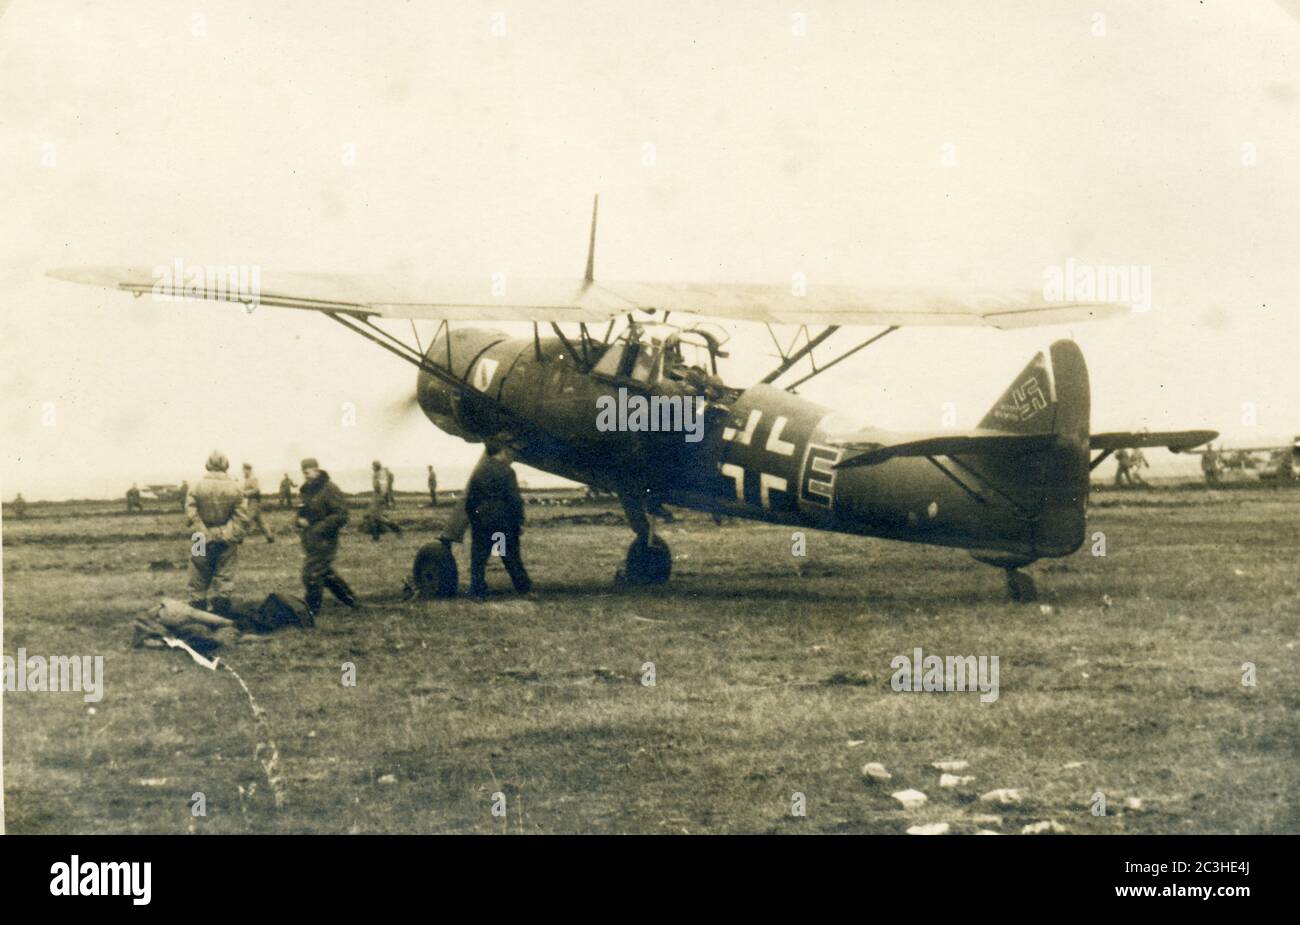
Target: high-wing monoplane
{"x": 608, "y": 396}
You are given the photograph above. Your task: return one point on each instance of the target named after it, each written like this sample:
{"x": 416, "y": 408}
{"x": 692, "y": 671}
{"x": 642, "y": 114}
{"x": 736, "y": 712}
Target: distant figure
{"x": 133, "y": 502}
{"x": 218, "y": 517}
{"x": 389, "y": 500}
{"x": 323, "y": 514}
{"x": 496, "y": 518}
{"x": 20, "y": 506}
{"x": 253, "y": 495}
{"x": 286, "y": 491}
{"x": 1121, "y": 467}
{"x": 433, "y": 488}
{"x": 1137, "y": 462}
{"x": 376, "y": 522}
{"x": 184, "y": 493}
{"x": 1210, "y": 465}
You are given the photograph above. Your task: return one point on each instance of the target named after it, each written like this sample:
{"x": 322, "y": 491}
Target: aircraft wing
{"x": 855, "y": 305}
{"x": 1174, "y": 440}
{"x": 545, "y": 300}
{"x": 872, "y": 450}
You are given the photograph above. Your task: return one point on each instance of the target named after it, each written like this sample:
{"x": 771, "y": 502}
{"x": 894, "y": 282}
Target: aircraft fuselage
{"x": 766, "y": 454}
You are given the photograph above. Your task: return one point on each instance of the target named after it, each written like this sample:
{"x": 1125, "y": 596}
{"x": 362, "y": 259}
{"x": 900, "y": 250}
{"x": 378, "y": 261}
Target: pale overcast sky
{"x": 138, "y": 133}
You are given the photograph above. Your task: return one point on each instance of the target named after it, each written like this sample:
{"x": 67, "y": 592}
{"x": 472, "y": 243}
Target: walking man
{"x": 253, "y": 495}
{"x": 1137, "y": 461}
{"x": 323, "y": 513}
{"x": 1123, "y": 468}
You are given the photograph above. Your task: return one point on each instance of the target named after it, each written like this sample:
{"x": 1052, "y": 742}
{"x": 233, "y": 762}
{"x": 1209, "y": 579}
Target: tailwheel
{"x": 648, "y": 563}
{"x": 434, "y": 573}
{"x": 1021, "y": 587}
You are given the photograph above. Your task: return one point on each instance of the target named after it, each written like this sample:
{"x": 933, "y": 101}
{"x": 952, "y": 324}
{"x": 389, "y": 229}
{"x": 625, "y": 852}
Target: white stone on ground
{"x": 875, "y": 771}
{"x": 1046, "y": 827}
{"x": 910, "y": 798}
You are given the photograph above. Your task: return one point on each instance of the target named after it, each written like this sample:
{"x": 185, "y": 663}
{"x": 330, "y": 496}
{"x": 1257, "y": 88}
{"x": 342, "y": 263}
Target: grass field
{"x": 772, "y": 676}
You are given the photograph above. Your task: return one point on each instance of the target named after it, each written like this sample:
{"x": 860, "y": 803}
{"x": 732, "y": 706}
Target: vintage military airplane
{"x": 164, "y": 492}
{"x": 1012, "y": 490}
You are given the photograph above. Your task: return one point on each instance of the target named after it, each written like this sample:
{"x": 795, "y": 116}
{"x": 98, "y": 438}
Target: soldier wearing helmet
{"x": 218, "y": 517}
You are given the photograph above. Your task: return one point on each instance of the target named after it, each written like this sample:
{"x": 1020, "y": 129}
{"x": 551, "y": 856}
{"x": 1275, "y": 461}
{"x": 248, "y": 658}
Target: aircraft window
{"x": 644, "y": 369}
{"x": 612, "y": 362}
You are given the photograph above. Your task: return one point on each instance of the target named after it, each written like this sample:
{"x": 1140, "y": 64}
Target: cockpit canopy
{"x": 650, "y": 355}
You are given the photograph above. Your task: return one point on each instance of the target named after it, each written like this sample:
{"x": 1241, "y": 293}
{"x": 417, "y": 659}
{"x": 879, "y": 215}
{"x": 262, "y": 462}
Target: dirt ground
{"x": 771, "y": 678}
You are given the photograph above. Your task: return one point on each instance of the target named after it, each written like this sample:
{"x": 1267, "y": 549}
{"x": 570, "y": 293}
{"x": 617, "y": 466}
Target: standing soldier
{"x": 286, "y": 491}
{"x": 433, "y": 488}
{"x": 322, "y": 515}
{"x": 20, "y": 506}
{"x": 376, "y": 521}
{"x": 496, "y": 517}
{"x": 1210, "y": 466}
{"x": 389, "y": 500}
{"x": 1122, "y": 464}
{"x": 184, "y": 492}
{"x": 133, "y": 502}
{"x": 218, "y": 517}
{"x": 253, "y": 495}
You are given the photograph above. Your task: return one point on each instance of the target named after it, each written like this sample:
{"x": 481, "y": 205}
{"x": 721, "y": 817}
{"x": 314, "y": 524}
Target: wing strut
{"x": 788, "y": 361}
{"x": 1097, "y": 460}
{"x": 841, "y": 358}
{"x": 400, "y": 349}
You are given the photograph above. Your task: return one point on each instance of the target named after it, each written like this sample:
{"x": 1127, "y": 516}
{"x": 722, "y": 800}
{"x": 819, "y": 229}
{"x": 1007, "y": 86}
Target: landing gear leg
{"x": 1020, "y": 586}
{"x": 649, "y": 561}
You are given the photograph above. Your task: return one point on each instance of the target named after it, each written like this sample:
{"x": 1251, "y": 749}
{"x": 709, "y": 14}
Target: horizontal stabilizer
{"x": 983, "y": 442}
{"x": 1175, "y": 440}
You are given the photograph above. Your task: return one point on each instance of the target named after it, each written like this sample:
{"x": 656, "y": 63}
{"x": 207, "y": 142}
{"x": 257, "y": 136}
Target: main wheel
{"x": 648, "y": 563}
{"x": 1020, "y": 587}
{"x": 434, "y": 573}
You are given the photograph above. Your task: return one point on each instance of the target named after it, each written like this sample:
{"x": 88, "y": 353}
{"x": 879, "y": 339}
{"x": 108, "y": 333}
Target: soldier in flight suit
{"x": 286, "y": 491}
{"x": 322, "y": 515}
{"x": 376, "y": 522}
{"x": 496, "y": 517}
{"x": 218, "y": 517}
{"x": 253, "y": 495}
{"x": 133, "y": 502}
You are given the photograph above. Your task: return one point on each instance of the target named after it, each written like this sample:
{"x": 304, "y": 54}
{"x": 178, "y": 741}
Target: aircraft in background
{"x": 1277, "y": 464}
{"x": 1012, "y": 490}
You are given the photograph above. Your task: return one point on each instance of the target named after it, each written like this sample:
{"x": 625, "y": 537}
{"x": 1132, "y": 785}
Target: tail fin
{"x": 1048, "y": 486}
